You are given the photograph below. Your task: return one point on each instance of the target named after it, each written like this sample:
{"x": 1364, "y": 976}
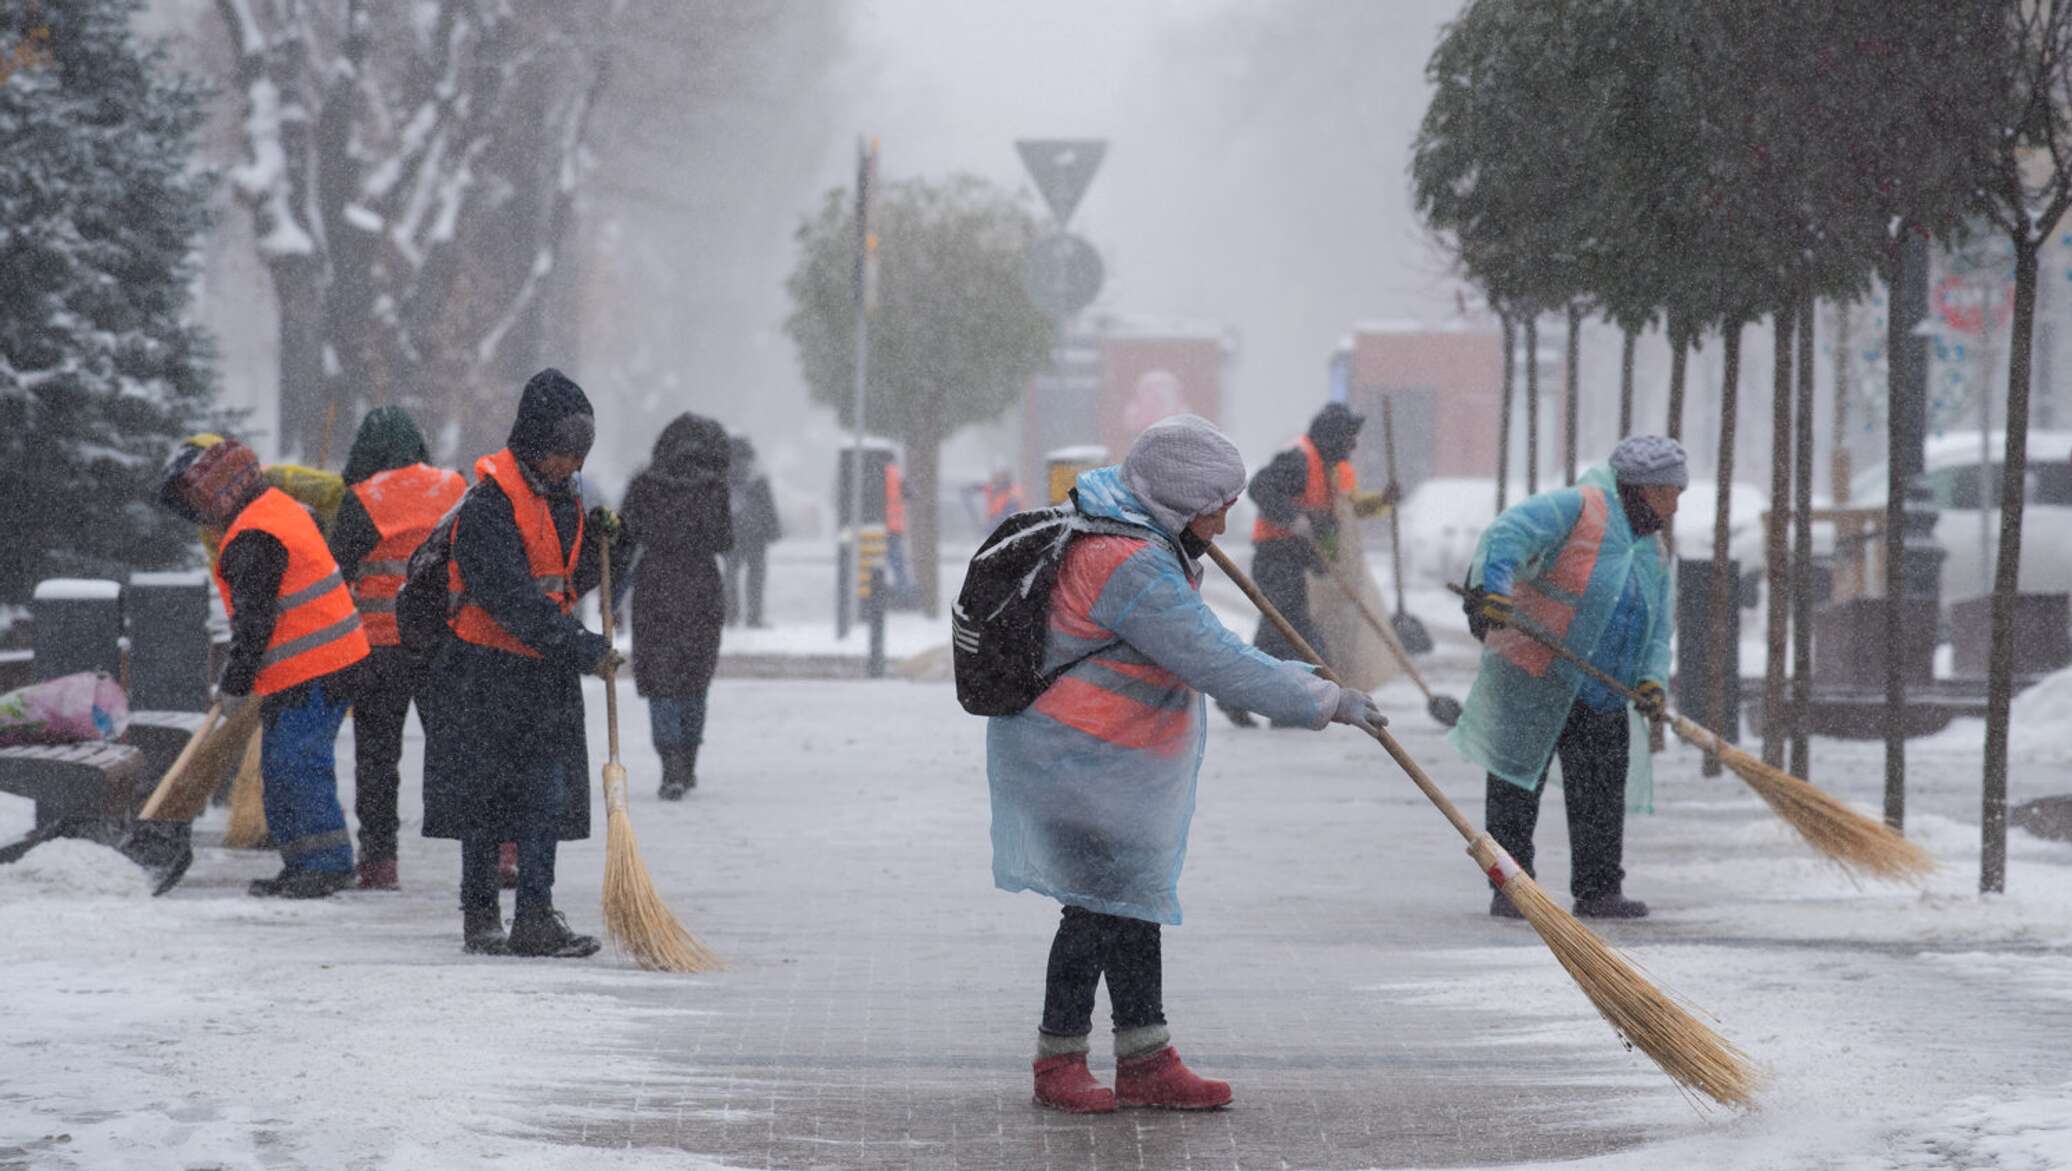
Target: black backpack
{"x": 1001, "y": 620}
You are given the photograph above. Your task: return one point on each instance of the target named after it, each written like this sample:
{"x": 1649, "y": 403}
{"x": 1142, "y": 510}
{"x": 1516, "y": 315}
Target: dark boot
{"x": 1610, "y": 906}
{"x": 163, "y": 848}
{"x": 675, "y": 775}
{"x": 378, "y": 874}
{"x": 1501, "y": 907}
{"x": 293, "y": 883}
{"x": 543, "y": 931}
{"x": 482, "y": 931}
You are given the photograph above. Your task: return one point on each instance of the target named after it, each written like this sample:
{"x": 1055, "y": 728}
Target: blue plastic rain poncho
{"x": 1093, "y": 784}
{"x": 1621, "y": 623}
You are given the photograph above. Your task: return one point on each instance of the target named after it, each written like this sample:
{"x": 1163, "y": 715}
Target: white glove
{"x": 1357, "y": 708}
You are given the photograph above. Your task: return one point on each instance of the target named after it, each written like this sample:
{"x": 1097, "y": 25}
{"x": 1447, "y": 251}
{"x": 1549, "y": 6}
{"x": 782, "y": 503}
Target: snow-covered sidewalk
{"x": 1337, "y": 965}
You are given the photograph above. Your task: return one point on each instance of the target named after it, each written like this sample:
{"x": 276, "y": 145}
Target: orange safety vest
{"x": 1002, "y": 501}
{"x": 1549, "y": 599}
{"x": 895, "y": 502}
{"x": 405, "y": 505}
{"x": 553, "y": 574}
{"x": 316, "y": 629}
{"x": 1316, "y": 491}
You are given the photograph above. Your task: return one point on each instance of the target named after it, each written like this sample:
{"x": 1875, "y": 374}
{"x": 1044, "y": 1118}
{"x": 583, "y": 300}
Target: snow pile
{"x": 69, "y": 868}
{"x": 2039, "y": 727}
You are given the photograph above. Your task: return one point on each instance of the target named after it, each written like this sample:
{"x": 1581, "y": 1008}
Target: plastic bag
{"x": 71, "y": 708}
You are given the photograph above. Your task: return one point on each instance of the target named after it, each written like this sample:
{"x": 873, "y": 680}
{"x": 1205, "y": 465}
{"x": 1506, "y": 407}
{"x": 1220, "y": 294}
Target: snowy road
{"x": 1337, "y": 966}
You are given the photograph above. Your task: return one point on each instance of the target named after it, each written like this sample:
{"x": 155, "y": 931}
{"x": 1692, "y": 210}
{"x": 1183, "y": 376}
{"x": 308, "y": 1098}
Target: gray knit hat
{"x": 1182, "y": 467}
{"x": 1643, "y": 460}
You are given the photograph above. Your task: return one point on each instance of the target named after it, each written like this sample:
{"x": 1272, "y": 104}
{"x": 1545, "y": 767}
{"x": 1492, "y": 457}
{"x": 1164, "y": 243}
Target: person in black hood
{"x": 756, "y": 528}
{"x": 1297, "y": 496}
{"x": 677, "y": 518}
{"x": 505, "y": 753}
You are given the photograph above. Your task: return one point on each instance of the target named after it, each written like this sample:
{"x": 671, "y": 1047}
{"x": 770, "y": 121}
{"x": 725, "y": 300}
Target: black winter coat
{"x": 504, "y": 739}
{"x": 679, "y": 520}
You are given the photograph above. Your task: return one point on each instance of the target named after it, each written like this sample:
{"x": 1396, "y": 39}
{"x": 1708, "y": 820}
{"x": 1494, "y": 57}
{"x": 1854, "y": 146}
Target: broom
{"x": 1850, "y": 839}
{"x": 1443, "y": 708}
{"x": 247, "y": 828}
{"x": 639, "y": 925}
{"x": 213, "y": 750}
{"x": 1649, "y": 1019}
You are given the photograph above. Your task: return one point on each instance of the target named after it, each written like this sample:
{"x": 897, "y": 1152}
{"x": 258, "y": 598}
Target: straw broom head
{"x": 247, "y": 828}
{"x": 213, "y": 750}
{"x": 1851, "y": 840}
{"x": 1649, "y": 1019}
{"x": 635, "y": 919}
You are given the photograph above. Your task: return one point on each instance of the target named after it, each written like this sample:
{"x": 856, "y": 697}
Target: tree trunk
{"x": 1992, "y": 868}
{"x": 1776, "y": 551}
{"x": 1532, "y": 403}
{"x": 1679, "y": 370}
{"x": 1845, "y": 389}
{"x": 1802, "y": 552}
{"x": 1571, "y": 408}
{"x": 1897, "y": 329}
{"x": 299, "y": 298}
{"x": 924, "y": 475}
{"x": 1503, "y": 418}
{"x": 1723, "y": 591}
{"x": 1626, "y": 344}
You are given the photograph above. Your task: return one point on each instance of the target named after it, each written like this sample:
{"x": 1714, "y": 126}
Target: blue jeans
{"x": 536, "y": 847}
{"x": 677, "y": 721}
{"x": 298, "y": 768}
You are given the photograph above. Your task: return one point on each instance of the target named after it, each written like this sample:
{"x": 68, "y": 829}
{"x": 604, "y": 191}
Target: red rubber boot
{"x": 1064, "y": 1083}
{"x": 1160, "y": 1080}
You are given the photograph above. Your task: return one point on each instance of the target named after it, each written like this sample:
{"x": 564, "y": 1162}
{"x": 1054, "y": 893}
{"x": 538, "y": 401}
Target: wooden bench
{"x": 97, "y": 781}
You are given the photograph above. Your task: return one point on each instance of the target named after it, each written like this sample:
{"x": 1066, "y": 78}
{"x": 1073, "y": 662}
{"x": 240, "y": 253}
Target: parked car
{"x": 1967, "y": 523}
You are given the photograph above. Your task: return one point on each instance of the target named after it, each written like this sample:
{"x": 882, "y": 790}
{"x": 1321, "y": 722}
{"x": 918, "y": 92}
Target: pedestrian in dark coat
{"x": 677, "y": 516}
{"x": 505, "y": 754}
{"x": 755, "y": 528}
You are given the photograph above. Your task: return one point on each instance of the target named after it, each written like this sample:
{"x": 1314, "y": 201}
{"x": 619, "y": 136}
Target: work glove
{"x": 1358, "y": 709}
{"x": 1486, "y": 611}
{"x": 230, "y": 704}
{"x": 1376, "y": 503}
{"x": 1651, "y": 699}
{"x": 604, "y": 520}
{"x": 608, "y": 664}
{"x": 1303, "y": 527}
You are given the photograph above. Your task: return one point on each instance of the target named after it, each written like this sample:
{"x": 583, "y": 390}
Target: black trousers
{"x": 1090, "y": 945}
{"x": 1592, "y": 748}
{"x": 1281, "y": 568}
{"x": 380, "y": 705}
{"x": 754, "y": 559}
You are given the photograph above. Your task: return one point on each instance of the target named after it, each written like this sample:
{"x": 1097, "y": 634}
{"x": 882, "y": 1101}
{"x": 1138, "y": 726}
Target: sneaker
{"x": 378, "y": 874}
{"x": 545, "y": 933}
{"x": 1064, "y": 1083}
{"x": 1160, "y": 1080}
{"x": 293, "y": 883}
{"x": 1501, "y": 906}
{"x": 482, "y": 932}
{"x": 507, "y": 865}
{"x": 163, "y": 848}
{"x": 1611, "y": 906}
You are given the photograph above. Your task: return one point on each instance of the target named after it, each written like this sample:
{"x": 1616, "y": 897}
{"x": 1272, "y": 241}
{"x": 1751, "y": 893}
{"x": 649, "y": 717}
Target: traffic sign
{"x": 1975, "y": 303}
{"x": 1062, "y": 274}
{"x": 1062, "y": 168}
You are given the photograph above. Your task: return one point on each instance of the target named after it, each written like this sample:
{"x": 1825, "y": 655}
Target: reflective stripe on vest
{"x": 1549, "y": 599}
{"x": 316, "y": 629}
{"x": 1132, "y": 705}
{"x": 404, "y": 504}
{"x": 551, "y": 572}
{"x": 1316, "y": 491}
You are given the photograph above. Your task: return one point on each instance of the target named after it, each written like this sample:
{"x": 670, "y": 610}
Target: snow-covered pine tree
{"x": 100, "y": 369}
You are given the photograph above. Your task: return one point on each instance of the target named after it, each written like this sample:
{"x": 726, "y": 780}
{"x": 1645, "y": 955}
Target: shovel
{"x": 1409, "y": 631}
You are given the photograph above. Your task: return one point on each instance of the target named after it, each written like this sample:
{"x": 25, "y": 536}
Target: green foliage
{"x": 954, "y": 340}
{"x": 99, "y": 370}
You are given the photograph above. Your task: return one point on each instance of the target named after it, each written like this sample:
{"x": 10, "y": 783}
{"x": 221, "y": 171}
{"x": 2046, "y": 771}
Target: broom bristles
{"x": 1649, "y": 1019}
{"x": 247, "y": 828}
{"x": 1848, "y": 838}
{"x": 639, "y": 925}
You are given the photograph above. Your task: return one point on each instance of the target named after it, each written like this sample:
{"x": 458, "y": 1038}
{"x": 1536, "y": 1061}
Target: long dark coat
{"x": 503, "y": 730}
{"x": 676, "y": 515}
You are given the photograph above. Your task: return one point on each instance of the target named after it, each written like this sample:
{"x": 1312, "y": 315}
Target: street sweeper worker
{"x": 1297, "y": 497}
{"x": 393, "y": 500}
{"x": 1093, "y": 784}
{"x": 505, "y": 754}
{"x": 1581, "y": 563}
{"x": 296, "y": 648}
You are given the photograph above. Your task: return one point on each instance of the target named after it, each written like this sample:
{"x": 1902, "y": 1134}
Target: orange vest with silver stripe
{"x": 1316, "y": 490}
{"x": 316, "y": 629}
{"x": 405, "y": 505}
{"x": 552, "y": 574}
{"x": 1549, "y": 598}
{"x": 1114, "y": 694}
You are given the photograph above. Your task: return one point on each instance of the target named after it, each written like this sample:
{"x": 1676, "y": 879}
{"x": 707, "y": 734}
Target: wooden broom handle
{"x": 1381, "y": 735}
{"x": 1388, "y": 443}
{"x": 611, "y": 677}
{"x": 1526, "y": 628}
{"x": 157, "y": 800}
